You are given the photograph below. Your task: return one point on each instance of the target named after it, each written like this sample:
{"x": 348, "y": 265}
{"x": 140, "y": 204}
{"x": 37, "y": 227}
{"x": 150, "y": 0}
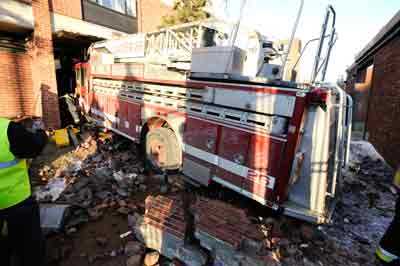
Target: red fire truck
{"x": 225, "y": 114}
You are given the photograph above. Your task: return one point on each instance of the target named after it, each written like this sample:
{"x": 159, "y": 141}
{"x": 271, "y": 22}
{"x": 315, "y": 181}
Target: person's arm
{"x": 25, "y": 144}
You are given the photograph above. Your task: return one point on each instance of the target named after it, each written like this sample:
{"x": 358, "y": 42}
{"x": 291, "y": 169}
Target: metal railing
{"x": 178, "y": 41}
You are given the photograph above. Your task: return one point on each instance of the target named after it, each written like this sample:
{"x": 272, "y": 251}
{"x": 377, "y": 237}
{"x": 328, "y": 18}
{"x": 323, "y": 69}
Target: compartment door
{"x": 265, "y": 156}
{"x": 134, "y": 119}
{"x": 123, "y": 122}
{"x": 112, "y": 110}
{"x": 233, "y": 156}
{"x": 200, "y": 145}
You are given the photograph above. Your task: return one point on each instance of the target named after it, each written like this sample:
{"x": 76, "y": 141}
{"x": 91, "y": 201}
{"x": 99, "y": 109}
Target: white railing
{"x": 178, "y": 41}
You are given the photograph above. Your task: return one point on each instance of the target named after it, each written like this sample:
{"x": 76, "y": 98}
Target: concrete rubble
{"x": 52, "y": 216}
{"x": 120, "y": 215}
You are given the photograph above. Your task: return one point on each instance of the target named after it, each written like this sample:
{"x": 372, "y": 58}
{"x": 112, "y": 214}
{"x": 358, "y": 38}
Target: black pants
{"x": 24, "y": 239}
{"x": 391, "y": 239}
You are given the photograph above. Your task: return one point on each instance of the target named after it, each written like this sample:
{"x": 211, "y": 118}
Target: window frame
{"x": 134, "y": 5}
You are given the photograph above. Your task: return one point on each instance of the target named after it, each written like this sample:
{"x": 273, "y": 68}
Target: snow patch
{"x": 361, "y": 149}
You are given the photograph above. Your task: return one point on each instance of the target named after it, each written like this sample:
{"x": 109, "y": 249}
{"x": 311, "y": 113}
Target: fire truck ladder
{"x": 176, "y": 43}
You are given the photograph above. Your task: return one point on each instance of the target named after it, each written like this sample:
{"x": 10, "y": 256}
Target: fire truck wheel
{"x": 162, "y": 150}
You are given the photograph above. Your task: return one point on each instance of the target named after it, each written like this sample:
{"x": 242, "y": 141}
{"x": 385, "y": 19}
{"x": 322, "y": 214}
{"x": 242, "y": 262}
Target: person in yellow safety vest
{"x": 18, "y": 209}
{"x": 388, "y": 250}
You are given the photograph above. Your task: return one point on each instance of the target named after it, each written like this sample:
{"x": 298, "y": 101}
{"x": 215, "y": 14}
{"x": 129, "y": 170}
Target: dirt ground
{"x": 102, "y": 203}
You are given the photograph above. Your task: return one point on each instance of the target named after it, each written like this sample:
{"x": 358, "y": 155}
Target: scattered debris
{"x": 52, "y": 216}
{"x": 102, "y": 179}
{"x": 125, "y": 234}
{"x": 52, "y": 190}
{"x": 60, "y": 137}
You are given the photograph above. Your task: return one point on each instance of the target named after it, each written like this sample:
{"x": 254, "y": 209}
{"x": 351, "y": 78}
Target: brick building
{"x": 374, "y": 82}
{"x": 150, "y": 13}
{"x": 40, "y": 40}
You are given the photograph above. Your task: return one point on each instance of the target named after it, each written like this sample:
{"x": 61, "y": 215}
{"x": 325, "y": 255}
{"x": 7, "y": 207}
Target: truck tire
{"x": 163, "y": 151}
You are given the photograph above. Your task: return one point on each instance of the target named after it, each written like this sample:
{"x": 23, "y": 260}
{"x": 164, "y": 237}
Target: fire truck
{"x": 220, "y": 113}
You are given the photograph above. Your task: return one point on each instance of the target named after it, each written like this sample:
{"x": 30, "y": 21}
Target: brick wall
{"x": 384, "y": 109}
{"x": 70, "y": 8}
{"x": 43, "y": 67}
{"x": 16, "y": 90}
{"x": 150, "y": 13}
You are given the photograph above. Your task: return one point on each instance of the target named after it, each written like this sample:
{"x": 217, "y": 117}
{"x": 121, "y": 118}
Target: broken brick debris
{"x": 221, "y": 228}
{"x": 163, "y": 228}
{"x": 224, "y": 222}
{"x": 166, "y": 214}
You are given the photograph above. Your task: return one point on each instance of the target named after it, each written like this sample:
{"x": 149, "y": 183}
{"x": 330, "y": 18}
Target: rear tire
{"x": 162, "y": 150}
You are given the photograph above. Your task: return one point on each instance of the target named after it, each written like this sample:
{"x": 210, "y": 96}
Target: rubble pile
{"x": 363, "y": 212}
{"x": 366, "y": 206}
{"x": 100, "y": 174}
{"x": 99, "y": 184}
{"x": 107, "y": 197}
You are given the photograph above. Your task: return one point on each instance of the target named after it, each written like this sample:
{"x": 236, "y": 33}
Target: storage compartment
{"x": 233, "y": 147}
{"x": 218, "y": 60}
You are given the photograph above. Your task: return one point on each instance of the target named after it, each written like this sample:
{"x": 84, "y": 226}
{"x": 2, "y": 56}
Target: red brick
{"x": 43, "y": 68}
{"x": 150, "y": 13}
{"x": 166, "y": 213}
{"x": 224, "y": 221}
{"x": 16, "y": 84}
{"x": 69, "y": 8}
{"x": 383, "y": 111}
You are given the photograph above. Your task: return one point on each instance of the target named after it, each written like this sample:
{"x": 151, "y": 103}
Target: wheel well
{"x": 152, "y": 123}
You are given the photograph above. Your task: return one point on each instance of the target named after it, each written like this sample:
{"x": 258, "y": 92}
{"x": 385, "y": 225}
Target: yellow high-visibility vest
{"x": 396, "y": 180}
{"x": 14, "y": 178}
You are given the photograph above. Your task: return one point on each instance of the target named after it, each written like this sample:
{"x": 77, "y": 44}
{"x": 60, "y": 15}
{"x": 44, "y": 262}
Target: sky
{"x": 357, "y": 22}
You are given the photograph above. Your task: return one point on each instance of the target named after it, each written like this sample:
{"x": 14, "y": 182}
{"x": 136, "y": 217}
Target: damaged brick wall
{"x": 16, "y": 91}
{"x": 384, "y": 109}
{"x": 197, "y": 230}
{"x": 150, "y": 13}
{"x": 43, "y": 66}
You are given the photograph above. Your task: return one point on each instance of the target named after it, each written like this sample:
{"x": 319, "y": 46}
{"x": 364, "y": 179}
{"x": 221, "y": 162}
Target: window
{"x": 127, "y": 7}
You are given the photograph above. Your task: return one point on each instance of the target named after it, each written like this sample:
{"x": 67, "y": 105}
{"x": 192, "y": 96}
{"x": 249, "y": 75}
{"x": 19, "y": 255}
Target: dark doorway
{"x": 69, "y": 49}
